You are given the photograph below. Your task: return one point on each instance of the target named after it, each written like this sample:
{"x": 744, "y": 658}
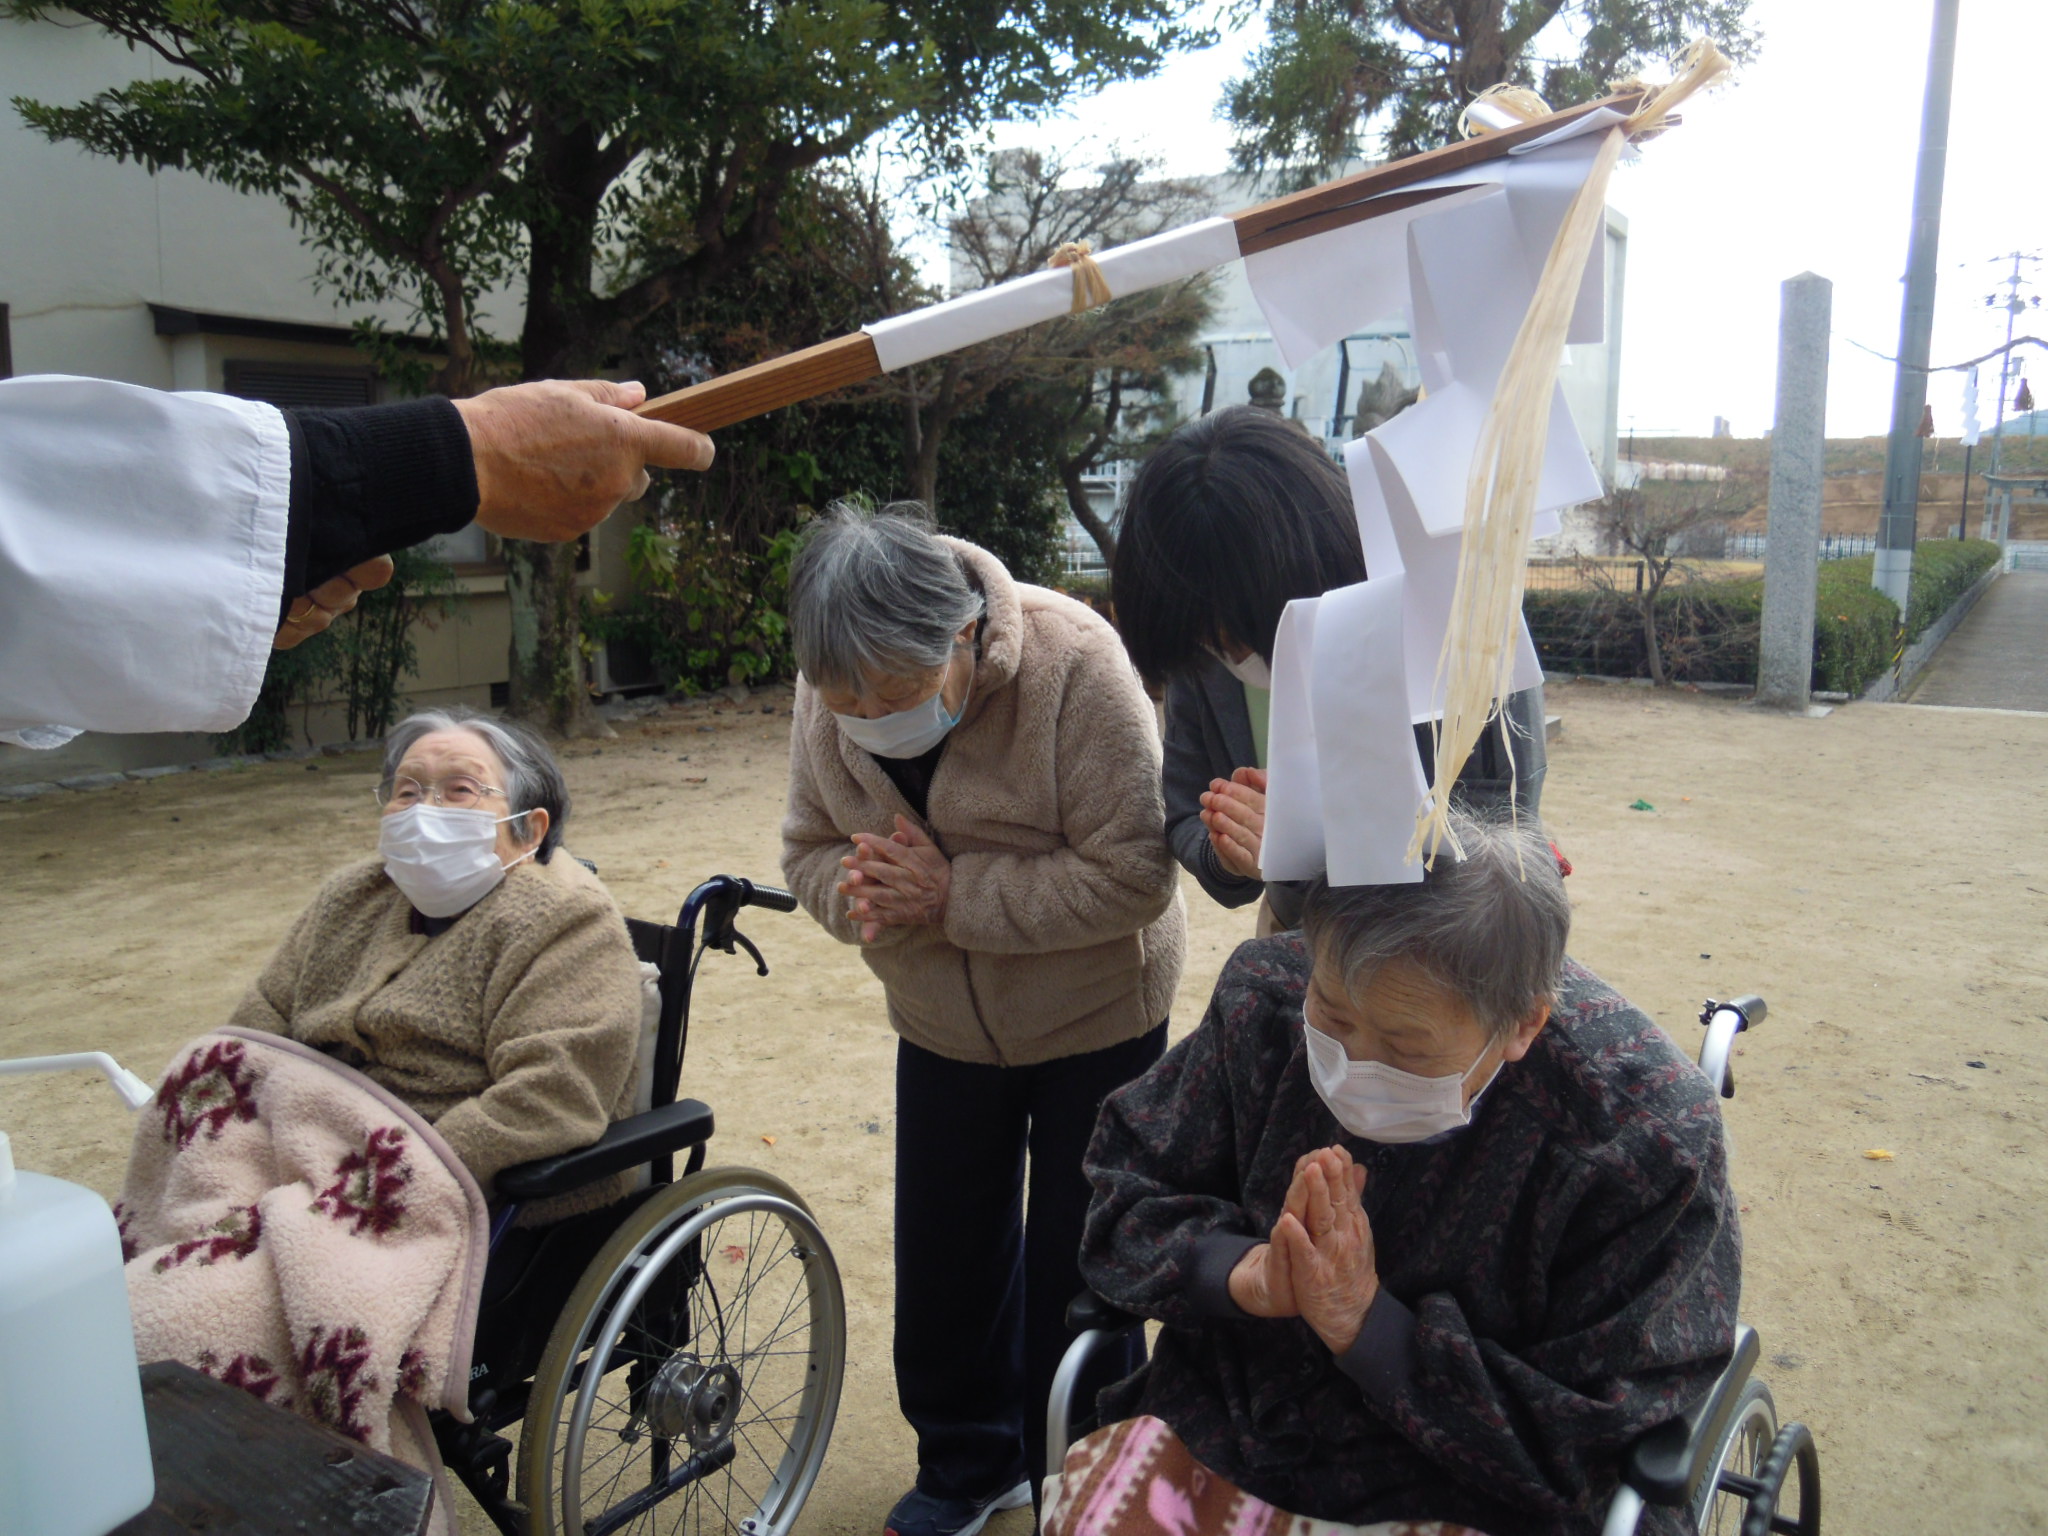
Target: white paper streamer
{"x": 991, "y": 312}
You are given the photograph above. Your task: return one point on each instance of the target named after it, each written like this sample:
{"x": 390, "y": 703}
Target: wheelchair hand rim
{"x": 648, "y": 1266}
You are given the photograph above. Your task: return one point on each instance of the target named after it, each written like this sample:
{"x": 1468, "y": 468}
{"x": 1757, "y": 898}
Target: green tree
{"x": 1092, "y": 370}
{"x": 435, "y": 152}
{"x": 1340, "y": 78}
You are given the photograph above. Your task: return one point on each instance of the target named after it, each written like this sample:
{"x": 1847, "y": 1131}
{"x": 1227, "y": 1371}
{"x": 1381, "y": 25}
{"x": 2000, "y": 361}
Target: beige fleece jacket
{"x": 1064, "y": 929}
{"x": 515, "y": 1032}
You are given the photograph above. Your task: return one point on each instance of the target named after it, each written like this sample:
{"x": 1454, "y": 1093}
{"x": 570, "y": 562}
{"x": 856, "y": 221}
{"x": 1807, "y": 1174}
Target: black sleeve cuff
{"x": 371, "y": 480}
{"x": 1216, "y": 1255}
{"x": 1382, "y": 1357}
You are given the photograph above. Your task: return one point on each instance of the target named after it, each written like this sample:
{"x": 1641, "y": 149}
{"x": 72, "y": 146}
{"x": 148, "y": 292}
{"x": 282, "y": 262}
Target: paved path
{"x": 1998, "y": 656}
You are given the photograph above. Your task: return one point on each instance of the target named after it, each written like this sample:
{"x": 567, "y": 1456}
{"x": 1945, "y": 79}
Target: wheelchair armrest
{"x": 1666, "y": 1465}
{"x": 628, "y": 1144}
{"x": 1089, "y": 1310}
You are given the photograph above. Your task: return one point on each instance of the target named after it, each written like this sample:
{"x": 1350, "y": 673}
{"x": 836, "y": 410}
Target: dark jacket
{"x": 1209, "y": 735}
{"x": 1556, "y": 1278}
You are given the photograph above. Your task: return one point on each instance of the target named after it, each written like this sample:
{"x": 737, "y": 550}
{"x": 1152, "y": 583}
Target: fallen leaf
{"x": 1642, "y": 805}
{"x": 771, "y": 1142}
{"x": 1878, "y": 1155}
{"x": 1686, "y": 798}
{"x": 732, "y": 1252}
{"x": 661, "y": 863}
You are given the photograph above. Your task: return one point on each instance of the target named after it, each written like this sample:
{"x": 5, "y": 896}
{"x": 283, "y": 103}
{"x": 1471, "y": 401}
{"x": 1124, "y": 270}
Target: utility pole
{"x": 2013, "y": 307}
{"x": 1892, "y": 570}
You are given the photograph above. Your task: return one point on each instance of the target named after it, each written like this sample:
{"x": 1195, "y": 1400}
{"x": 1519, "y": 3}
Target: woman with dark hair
{"x": 1236, "y": 515}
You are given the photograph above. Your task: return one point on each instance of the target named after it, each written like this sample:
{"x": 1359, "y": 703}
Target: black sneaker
{"x": 920, "y": 1514}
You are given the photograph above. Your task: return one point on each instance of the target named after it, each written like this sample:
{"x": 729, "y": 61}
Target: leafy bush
{"x": 707, "y": 612}
{"x": 1709, "y": 629}
{"x": 1943, "y": 570}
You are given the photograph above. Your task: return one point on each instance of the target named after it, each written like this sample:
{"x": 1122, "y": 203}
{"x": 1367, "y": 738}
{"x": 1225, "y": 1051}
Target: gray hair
{"x": 533, "y": 779}
{"x": 875, "y": 594}
{"x": 1490, "y": 927}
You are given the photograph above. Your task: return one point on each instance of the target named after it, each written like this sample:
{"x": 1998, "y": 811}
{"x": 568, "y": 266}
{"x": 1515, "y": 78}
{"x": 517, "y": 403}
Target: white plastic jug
{"x": 74, "y": 1450}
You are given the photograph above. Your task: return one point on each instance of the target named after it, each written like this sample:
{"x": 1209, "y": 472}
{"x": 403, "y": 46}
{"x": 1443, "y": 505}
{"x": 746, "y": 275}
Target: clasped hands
{"x": 1234, "y": 811}
{"x": 1319, "y": 1265}
{"x": 898, "y": 881}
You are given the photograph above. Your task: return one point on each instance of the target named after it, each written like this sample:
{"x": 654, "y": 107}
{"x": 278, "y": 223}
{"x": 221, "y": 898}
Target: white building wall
{"x": 87, "y": 243}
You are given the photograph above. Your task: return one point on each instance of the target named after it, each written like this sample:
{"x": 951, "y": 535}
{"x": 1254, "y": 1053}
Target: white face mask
{"x": 1383, "y": 1103}
{"x": 1253, "y": 671}
{"x": 444, "y": 860}
{"x": 909, "y": 732}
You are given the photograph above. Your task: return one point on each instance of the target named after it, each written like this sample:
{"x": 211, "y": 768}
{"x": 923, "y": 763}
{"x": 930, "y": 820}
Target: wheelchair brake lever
{"x": 760, "y": 965}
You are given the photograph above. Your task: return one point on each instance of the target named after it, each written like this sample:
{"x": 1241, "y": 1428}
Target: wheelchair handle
{"x": 773, "y": 897}
{"x": 1724, "y": 1021}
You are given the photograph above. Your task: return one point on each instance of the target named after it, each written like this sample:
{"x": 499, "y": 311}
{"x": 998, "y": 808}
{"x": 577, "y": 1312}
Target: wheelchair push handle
{"x": 1724, "y": 1021}
{"x": 773, "y": 897}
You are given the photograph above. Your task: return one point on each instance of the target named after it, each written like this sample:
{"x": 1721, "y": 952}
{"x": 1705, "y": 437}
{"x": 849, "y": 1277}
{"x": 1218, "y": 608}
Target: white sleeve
{"x": 142, "y": 549}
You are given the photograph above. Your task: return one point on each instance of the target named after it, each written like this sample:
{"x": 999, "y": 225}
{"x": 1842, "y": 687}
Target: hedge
{"x": 1707, "y": 630}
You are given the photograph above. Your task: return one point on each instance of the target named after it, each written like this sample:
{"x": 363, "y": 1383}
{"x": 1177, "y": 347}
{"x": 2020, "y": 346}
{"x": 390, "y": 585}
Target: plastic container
{"x": 74, "y": 1449}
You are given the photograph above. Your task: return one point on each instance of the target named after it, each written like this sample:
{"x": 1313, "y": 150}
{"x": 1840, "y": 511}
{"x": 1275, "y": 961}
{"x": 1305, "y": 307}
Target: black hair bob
{"x": 1232, "y": 517}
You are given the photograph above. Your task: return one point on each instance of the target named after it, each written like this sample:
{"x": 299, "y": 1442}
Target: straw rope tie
{"x": 1090, "y": 286}
{"x": 1475, "y": 668}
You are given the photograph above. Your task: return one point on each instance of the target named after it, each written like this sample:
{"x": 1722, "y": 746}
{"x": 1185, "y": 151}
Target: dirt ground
{"x": 1881, "y": 876}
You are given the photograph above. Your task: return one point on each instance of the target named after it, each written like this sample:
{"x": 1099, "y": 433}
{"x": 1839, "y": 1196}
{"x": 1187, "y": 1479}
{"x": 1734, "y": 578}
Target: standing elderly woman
{"x": 472, "y": 969}
{"x": 974, "y": 799}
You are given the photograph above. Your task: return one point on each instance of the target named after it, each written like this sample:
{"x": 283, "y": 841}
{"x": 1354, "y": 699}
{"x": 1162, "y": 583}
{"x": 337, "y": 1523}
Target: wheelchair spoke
{"x": 714, "y": 1390}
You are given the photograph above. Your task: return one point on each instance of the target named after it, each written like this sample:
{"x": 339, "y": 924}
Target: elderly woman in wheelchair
{"x": 480, "y": 975}
{"x": 670, "y": 1348}
{"x": 1437, "y": 1224}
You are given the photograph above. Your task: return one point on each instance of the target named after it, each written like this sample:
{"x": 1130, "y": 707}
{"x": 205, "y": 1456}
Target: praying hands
{"x": 897, "y": 881}
{"x": 1319, "y": 1264}
{"x": 1234, "y": 811}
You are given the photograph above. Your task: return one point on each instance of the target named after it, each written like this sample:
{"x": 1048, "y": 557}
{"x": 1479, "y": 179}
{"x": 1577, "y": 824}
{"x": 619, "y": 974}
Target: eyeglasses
{"x": 458, "y": 791}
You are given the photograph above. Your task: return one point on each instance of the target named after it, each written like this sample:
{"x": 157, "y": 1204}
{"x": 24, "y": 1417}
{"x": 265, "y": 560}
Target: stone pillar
{"x": 1792, "y": 540}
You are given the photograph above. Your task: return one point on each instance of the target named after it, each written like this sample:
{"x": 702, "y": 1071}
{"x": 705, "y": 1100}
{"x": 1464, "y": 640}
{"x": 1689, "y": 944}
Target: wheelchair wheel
{"x": 1754, "y": 1425}
{"x": 693, "y": 1377}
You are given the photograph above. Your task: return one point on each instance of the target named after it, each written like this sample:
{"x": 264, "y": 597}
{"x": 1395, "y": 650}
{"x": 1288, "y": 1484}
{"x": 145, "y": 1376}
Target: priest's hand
{"x": 553, "y": 458}
{"x": 330, "y": 600}
{"x": 1234, "y": 811}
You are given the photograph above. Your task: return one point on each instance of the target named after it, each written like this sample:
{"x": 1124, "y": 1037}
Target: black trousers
{"x": 982, "y": 1285}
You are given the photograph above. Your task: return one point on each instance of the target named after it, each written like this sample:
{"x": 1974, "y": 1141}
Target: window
{"x": 310, "y": 384}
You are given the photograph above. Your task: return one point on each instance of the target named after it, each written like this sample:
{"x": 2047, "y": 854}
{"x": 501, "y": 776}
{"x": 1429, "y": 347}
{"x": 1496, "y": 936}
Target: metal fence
{"x": 1833, "y": 546}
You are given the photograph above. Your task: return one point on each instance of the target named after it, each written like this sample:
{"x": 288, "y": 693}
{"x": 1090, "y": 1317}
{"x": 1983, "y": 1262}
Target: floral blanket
{"x": 1136, "y": 1478}
{"x": 294, "y": 1230}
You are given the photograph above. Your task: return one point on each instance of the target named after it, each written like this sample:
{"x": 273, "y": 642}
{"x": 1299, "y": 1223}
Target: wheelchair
{"x": 1726, "y": 1461}
{"x": 673, "y": 1360}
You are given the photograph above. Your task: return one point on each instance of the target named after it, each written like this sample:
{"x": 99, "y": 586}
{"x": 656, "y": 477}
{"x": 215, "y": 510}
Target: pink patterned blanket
{"x": 1137, "y": 1478}
{"x": 293, "y": 1229}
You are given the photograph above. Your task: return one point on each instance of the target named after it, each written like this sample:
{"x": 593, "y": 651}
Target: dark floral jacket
{"x": 1556, "y": 1278}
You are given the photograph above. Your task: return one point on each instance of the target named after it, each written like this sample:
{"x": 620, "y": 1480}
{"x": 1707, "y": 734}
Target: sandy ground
{"x": 1881, "y": 876}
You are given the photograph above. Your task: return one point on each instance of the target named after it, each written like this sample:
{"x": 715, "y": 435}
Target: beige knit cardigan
{"x": 1064, "y": 929}
{"x": 515, "y": 1032}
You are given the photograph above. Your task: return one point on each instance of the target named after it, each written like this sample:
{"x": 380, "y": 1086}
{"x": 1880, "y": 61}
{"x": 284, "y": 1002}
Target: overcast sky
{"x": 1804, "y": 164}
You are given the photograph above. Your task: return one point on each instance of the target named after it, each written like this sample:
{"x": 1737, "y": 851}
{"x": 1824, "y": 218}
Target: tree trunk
{"x": 1652, "y": 585}
{"x": 547, "y": 685}
{"x": 1084, "y": 514}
